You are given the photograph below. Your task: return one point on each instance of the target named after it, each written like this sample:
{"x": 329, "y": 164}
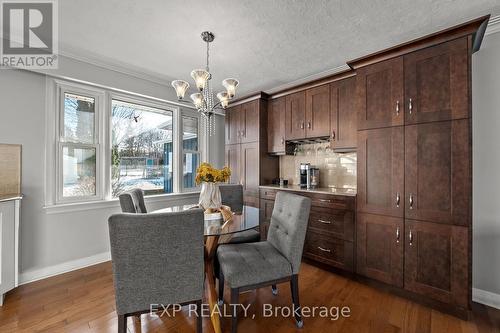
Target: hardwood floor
{"x": 83, "y": 301}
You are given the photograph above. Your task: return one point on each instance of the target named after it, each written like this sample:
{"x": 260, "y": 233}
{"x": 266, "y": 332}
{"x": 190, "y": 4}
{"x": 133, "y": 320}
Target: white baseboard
{"x": 42, "y": 273}
{"x": 486, "y": 298}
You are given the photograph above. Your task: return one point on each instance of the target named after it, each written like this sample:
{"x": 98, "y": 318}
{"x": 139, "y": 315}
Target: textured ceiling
{"x": 265, "y": 44}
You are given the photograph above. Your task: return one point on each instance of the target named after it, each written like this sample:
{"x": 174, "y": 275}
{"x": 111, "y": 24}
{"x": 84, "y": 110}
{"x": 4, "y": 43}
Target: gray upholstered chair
{"x": 156, "y": 259}
{"x": 232, "y": 196}
{"x": 133, "y": 201}
{"x": 255, "y": 265}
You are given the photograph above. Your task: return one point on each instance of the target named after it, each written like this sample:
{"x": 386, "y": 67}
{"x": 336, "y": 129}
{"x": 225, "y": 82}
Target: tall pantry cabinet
{"x": 414, "y": 170}
{"x": 246, "y": 147}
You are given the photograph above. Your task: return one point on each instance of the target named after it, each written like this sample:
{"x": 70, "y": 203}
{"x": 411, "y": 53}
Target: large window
{"x": 141, "y": 148}
{"x": 109, "y": 142}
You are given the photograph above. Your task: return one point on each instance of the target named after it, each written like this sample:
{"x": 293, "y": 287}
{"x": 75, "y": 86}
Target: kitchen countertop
{"x": 321, "y": 190}
{"x": 10, "y": 197}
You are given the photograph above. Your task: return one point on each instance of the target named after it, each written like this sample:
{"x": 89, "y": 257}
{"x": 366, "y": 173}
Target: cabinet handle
{"x": 324, "y": 200}
{"x": 324, "y": 222}
{"x": 302, "y": 126}
{"x": 242, "y": 133}
{"x": 411, "y": 200}
{"x": 309, "y": 124}
{"x": 397, "y": 108}
{"x": 324, "y": 250}
{"x": 333, "y": 135}
{"x": 398, "y": 199}
{"x": 397, "y": 235}
{"x": 282, "y": 141}
{"x": 410, "y": 236}
{"x": 410, "y": 106}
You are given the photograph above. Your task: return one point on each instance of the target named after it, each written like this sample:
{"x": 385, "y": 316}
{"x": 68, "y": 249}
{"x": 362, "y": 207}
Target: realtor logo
{"x": 29, "y": 34}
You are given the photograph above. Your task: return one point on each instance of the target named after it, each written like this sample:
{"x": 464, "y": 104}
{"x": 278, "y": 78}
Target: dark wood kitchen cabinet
{"x": 247, "y": 157}
{"x": 437, "y": 261}
{"x": 380, "y": 174}
{"x": 380, "y": 245}
{"x": 343, "y": 115}
{"x": 232, "y": 160}
{"x": 276, "y": 126}
{"x": 232, "y": 120}
{"x": 318, "y": 112}
{"x": 249, "y": 122}
{"x": 414, "y": 166}
{"x": 295, "y": 116}
{"x": 437, "y": 83}
{"x": 437, "y": 172}
{"x": 379, "y": 94}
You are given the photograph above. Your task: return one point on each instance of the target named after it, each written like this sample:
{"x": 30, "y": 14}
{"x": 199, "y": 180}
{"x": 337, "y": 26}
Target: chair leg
{"x": 235, "y": 294}
{"x": 274, "y": 289}
{"x": 199, "y": 319}
{"x": 220, "y": 300}
{"x": 294, "y": 285}
{"x": 122, "y": 324}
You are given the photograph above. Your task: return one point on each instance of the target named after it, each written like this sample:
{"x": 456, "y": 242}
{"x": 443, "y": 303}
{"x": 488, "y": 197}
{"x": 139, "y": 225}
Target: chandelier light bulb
{"x": 197, "y": 100}
{"x": 180, "y": 87}
{"x": 223, "y": 99}
{"x": 230, "y": 85}
{"x": 200, "y": 77}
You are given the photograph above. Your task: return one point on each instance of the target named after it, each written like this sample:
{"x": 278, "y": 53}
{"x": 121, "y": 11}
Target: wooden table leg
{"x": 210, "y": 248}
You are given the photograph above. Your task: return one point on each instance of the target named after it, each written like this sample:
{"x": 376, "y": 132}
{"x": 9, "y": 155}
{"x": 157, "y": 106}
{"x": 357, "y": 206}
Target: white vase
{"x": 210, "y": 196}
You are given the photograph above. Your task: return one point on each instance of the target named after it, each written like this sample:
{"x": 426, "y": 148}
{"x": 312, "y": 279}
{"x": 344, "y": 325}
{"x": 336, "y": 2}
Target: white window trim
{"x": 201, "y": 144}
{"x": 53, "y": 176}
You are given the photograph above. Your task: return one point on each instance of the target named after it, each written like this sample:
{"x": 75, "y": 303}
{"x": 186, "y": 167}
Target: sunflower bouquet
{"x": 208, "y": 174}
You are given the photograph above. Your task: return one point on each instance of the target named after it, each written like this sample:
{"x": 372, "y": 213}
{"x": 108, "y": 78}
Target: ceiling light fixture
{"x": 204, "y": 99}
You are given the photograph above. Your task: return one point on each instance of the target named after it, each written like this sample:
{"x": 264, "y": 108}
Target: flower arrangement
{"x": 208, "y": 174}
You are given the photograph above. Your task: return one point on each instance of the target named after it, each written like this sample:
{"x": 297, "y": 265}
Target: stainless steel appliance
{"x": 309, "y": 176}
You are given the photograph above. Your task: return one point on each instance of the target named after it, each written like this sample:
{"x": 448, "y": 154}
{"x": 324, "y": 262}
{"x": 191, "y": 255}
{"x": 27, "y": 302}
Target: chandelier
{"x": 204, "y": 99}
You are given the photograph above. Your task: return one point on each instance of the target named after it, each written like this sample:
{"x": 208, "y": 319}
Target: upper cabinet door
{"x": 437, "y": 172}
{"x": 232, "y": 160}
{"x": 379, "y": 94}
{"x": 233, "y": 132}
{"x": 381, "y": 171}
{"x": 295, "y": 117}
{"x": 437, "y": 261}
{"x": 318, "y": 111}
{"x": 276, "y": 125}
{"x": 437, "y": 83}
{"x": 343, "y": 121}
{"x": 249, "y": 121}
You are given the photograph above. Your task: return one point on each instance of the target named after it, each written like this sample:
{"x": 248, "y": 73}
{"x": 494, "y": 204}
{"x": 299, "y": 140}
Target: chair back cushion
{"x": 288, "y": 227}
{"x": 232, "y": 196}
{"x": 133, "y": 201}
{"x": 156, "y": 258}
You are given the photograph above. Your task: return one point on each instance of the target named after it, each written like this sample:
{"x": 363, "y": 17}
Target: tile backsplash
{"x": 335, "y": 169}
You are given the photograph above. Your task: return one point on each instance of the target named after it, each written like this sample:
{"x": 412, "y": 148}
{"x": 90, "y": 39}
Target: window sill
{"x": 113, "y": 203}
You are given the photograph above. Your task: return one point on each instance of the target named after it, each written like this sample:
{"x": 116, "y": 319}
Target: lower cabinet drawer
{"x": 329, "y": 250}
{"x": 338, "y": 223}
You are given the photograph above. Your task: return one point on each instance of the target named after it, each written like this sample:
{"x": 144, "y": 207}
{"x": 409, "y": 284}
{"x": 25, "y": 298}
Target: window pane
{"x": 189, "y": 133}
{"x": 79, "y": 114}
{"x": 79, "y": 172}
{"x": 142, "y": 149}
{"x": 191, "y": 162}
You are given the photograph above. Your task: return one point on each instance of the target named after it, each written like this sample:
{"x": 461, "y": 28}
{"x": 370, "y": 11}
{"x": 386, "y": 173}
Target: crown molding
{"x": 122, "y": 69}
{"x": 493, "y": 25}
{"x": 308, "y": 79}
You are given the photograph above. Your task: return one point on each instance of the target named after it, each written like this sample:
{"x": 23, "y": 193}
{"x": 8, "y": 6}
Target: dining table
{"x": 219, "y": 230}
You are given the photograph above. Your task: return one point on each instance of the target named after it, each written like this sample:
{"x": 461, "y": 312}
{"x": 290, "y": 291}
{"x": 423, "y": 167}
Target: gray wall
{"x": 55, "y": 242}
{"x": 486, "y": 165}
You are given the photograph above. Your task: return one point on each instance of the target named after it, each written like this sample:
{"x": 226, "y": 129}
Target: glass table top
{"x": 246, "y": 219}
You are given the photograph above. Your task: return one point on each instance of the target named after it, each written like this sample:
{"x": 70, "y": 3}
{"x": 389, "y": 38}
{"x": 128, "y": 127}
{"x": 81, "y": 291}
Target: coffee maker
{"x": 309, "y": 176}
